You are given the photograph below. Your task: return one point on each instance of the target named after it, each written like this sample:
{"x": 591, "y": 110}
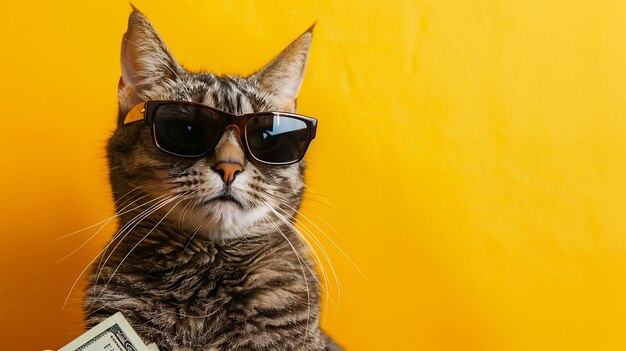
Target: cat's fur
{"x": 189, "y": 272}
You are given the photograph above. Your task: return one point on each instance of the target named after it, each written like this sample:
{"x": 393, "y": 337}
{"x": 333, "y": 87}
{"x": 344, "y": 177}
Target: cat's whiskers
{"x": 124, "y": 232}
{"x": 334, "y": 229}
{"x": 302, "y": 263}
{"x": 83, "y": 229}
{"x": 145, "y": 236}
{"x": 106, "y": 222}
{"x": 127, "y": 228}
{"x": 127, "y": 194}
{"x": 309, "y": 191}
{"x": 88, "y": 239}
{"x": 331, "y": 241}
{"x": 145, "y": 214}
{"x": 318, "y": 261}
{"x": 298, "y": 211}
{"x": 295, "y": 212}
{"x": 310, "y": 249}
{"x": 157, "y": 199}
{"x": 309, "y": 198}
{"x": 195, "y": 232}
{"x": 300, "y": 230}
{"x": 303, "y": 240}
{"x": 289, "y": 215}
{"x": 338, "y": 283}
{"x": 85, "y": 269}
{"x": 181, "y": 217}
{"x": 142, "y": 187}
{"x": 133, "y": 198}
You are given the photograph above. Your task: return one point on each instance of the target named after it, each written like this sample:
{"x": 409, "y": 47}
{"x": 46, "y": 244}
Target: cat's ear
{"x": 147, "y": 64}
{"x": 282, "y": 77}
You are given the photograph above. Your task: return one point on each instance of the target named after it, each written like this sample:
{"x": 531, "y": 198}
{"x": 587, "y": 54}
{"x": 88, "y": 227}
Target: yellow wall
{"x": 469, "y": 160}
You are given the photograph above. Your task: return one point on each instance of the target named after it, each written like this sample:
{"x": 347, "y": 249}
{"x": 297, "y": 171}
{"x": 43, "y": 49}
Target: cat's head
{"x": 201, "y": 194}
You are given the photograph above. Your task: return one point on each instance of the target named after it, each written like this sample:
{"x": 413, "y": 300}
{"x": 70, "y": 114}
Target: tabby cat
{"x": 206, "y": 256}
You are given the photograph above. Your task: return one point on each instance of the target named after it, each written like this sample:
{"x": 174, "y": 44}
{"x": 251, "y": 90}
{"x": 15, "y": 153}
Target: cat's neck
{"x": 176, "y": 244}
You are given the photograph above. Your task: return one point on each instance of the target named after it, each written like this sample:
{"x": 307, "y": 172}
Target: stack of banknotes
{"x": 112, "y": 334}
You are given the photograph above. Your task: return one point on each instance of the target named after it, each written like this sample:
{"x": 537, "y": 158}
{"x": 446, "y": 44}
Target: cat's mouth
{"x": 222, "y": 198}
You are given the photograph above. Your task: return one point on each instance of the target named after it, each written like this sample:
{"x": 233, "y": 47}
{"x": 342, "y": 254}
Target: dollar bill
{"x": 112, "y": 334}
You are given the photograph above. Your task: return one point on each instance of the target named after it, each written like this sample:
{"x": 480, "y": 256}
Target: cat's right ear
{"x": 282, "y": 77}
{"x": 147, "y": 64}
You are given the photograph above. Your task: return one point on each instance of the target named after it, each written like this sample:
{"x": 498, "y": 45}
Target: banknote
{"x": 112, "y": 334}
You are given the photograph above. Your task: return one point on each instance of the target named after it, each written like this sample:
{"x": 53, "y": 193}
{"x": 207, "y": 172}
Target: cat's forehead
{"x": 231, "y": 94}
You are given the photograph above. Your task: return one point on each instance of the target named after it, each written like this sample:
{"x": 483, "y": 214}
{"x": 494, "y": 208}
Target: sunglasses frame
{"x": 146, "y": 111}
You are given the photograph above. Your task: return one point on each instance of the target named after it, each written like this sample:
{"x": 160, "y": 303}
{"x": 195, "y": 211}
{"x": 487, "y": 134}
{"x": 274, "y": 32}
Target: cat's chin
{"x": 221, "y": 219}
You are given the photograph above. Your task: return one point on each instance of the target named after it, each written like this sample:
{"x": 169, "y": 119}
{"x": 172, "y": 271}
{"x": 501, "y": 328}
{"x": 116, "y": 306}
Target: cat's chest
{"x": 198, "y": 277}
{"x": 212, "y": 292}
{"x": 213, "y": 278}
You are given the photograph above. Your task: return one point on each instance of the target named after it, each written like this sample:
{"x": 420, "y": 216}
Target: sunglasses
{"x": 191, "y": 130}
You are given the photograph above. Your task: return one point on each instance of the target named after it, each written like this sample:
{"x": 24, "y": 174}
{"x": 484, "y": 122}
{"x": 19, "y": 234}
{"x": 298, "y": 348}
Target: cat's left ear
{"x": 282, "y": 77}
{"x": 147, "y": 64}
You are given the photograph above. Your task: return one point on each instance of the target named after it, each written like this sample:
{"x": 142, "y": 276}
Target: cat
{"x": 190, "y": 272}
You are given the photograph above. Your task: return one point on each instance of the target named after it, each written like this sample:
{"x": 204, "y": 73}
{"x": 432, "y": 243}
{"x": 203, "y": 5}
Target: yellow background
{"x": 470, "y": 160}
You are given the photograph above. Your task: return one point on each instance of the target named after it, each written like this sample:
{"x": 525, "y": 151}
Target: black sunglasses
{"x": 191, "y": 130}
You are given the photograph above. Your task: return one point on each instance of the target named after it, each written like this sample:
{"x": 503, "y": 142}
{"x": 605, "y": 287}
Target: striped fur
{"x": 191, "y": 273}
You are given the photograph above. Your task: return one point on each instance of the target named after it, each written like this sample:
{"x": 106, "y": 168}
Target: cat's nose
{"x": 228, "y": 170}
{"x": 228, "y": 158}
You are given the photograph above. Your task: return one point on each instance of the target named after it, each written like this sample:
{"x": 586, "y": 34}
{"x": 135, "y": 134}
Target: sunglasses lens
{"x": 185, "y": 130}
{"x": 276, "y": 139}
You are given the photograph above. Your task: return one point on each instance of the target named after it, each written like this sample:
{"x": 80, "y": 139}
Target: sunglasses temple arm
{"x": 137, "y": 113}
